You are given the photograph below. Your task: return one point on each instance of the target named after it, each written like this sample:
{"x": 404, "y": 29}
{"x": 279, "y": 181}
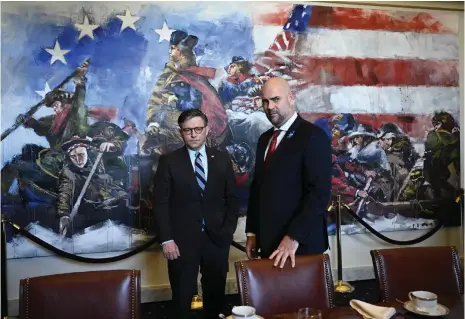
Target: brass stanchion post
{"x": 341, "y": 286}
{"x": 197, "y": 300}
{"x": 3, "y": 275}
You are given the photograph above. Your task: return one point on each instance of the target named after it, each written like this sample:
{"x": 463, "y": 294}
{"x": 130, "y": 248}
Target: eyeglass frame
{"x": 187, "y": 131}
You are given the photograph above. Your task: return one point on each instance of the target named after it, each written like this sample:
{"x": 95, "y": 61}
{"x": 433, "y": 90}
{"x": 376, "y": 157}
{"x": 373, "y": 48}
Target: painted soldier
{"x": 400, "y": 153}
{"x": 183, "y": 85}
{"x": 239, "y": 80}
{"x": 70, "y": 118}
{"x": 101, "y": 195}
{"x": 338, "y": 127}
{"x": 442, "y": 155}
{"x": 112, "y": 141}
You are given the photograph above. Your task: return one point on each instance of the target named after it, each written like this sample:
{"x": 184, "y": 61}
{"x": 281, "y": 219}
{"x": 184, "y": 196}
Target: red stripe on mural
{"x": 278, "y": 16}
{"x": 366, "y": 19}
{"x": 369, "y": 72}
{"x": 414, "y": 125}
{"x": 363, "y": 19}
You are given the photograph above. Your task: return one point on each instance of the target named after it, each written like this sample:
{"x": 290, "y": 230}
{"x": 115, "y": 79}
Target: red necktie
{"x": 272, "y": 148}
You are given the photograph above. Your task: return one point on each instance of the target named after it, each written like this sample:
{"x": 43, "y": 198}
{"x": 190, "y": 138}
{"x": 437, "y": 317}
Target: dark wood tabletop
{"x": 455, "y": 305}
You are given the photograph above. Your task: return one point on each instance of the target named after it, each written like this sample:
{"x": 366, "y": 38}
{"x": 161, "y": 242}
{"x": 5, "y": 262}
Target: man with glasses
{"x": 196, "y": 210}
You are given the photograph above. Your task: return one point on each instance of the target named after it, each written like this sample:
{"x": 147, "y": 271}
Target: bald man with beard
{"x": 291, "y": 188}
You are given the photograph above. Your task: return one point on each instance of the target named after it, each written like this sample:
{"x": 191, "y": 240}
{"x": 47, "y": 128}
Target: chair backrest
{"x": 108, "y": 294}
{"x": 401, "y": 270}
{"x": 272, "y": 290}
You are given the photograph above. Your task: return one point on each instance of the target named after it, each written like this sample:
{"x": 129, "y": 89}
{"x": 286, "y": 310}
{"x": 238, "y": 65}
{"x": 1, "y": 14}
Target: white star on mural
{"x": 45, "y": 91}
{"x": 57, "y": 53}
{"x": 164, "y": 32}
{"x": 128, "y": 20}
{"x": 86, "y": 28}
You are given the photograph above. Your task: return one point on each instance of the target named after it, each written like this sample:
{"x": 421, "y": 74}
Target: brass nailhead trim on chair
{"x": 328, "y": 281}
{"x": 244, "y": 283}
{"x": 133, "y": 293}
{"x": 382, "y": 276}
{"x": 455, "y": 258}
{"x": 27, "y": 298}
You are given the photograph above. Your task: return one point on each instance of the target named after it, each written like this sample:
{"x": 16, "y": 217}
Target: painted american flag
{"x": 380, "y": 65}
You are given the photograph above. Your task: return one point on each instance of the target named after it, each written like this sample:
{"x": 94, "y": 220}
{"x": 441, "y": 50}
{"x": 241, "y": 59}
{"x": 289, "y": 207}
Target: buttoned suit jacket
{"x": 290, "y": 195}
{"x": 179, "y": 207}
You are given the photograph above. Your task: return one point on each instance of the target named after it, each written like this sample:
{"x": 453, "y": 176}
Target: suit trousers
{"x": 213, "y": 262}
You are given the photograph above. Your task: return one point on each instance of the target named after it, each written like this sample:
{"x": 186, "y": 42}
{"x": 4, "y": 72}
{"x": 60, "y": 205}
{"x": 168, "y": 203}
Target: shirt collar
{"x": 202, "y": 151}
{"x": 288, "y": 124}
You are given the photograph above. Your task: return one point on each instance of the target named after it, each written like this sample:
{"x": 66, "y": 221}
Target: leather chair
{"x": 271, "y": 290}
{"x": 401, "y": 270}
{"x": 108, "y": 294}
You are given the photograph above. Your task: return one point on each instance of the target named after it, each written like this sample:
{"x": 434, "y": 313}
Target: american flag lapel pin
{"x": 291, "y": 134}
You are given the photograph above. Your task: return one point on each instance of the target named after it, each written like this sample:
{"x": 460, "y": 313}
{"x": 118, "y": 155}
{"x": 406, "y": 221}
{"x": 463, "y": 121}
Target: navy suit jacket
{"x": 290, "y": 196}
{"x": 180, "y": 208}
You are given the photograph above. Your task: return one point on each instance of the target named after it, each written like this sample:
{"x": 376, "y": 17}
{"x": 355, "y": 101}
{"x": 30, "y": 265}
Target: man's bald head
{"x": 278, "y": 101}
{"x": 277, "y": 84}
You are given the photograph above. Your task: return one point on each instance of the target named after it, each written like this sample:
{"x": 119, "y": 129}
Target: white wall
{"x": 356, "y": 257}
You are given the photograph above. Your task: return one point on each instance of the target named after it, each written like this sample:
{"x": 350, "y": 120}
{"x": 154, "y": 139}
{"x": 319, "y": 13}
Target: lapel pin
{"x": 291, "y": 134}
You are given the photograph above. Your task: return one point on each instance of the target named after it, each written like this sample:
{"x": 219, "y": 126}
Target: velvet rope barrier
{"x": 78, "y": 258}
{"x": 390, "y": 240}
{"x": 459, "y": 200}
{"x": 146, "y": 245}
{"x": 65, "y": 254}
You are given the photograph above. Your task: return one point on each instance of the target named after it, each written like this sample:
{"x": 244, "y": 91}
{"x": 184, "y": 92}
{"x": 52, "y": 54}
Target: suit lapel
{"x": 261, "y": 148}
{"x": 286, "y": 141}
{"x": 212, "y": 163}
{"x": 186, "y": 166}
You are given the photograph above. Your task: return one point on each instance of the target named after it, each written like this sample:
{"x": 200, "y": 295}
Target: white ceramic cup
{"x": 241, "y": 312}
{"x": 423, "y": 299}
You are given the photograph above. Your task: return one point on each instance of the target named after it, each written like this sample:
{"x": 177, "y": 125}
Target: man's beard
{"x": 275, "y": 118}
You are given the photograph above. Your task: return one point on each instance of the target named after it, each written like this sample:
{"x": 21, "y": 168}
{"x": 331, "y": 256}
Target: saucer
{"x": 257, "y": 316}
{"x": 439, "y": 310}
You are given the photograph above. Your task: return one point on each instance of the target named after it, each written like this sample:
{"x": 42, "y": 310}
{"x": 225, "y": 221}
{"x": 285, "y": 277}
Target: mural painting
{"x": 91, "y": 94}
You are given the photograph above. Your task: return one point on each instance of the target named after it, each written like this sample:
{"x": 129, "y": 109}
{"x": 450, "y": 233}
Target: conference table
{"x": 455, "y": 305}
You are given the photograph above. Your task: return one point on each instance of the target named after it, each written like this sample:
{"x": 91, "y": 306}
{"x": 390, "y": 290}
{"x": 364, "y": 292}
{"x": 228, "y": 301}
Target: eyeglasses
{"x": 197, "y": 130}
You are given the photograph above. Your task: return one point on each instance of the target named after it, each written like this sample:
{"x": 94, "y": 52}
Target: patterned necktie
{"x": 201, "y": 178}
{"x": 272, "y": 148}
{"x": 200, "y": 172}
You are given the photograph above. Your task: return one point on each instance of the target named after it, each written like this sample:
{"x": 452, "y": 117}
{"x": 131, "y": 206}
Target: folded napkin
{"x": 370, "y": 311}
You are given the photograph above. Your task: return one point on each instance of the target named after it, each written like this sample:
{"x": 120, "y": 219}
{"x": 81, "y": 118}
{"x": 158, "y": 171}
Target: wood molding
{"x": 458, "y": 6}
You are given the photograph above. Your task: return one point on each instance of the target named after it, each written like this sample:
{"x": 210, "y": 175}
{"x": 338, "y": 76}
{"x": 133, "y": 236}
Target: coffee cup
{"x": 423, "y": 300}
{"x": 241, "y": 312}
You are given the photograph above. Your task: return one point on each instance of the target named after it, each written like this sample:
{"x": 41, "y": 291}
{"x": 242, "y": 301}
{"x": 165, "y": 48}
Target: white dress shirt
{"x": 284, "y": 128}
{"x": 203, "y": 157}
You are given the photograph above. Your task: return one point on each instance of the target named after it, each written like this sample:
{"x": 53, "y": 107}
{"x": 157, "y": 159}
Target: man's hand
{"x": 250, "y": 247}
{"x": 171, "y": 250}
{"x": 287, "y": 248}
{"x": 107, "y": 147}
{"x": 64, "y": 224}
{"x": 153, "y": 129}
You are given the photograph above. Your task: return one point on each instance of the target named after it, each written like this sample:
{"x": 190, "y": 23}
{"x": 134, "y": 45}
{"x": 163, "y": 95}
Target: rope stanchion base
{"x": 197, "y": 302}
{"x": 343, "y": 287}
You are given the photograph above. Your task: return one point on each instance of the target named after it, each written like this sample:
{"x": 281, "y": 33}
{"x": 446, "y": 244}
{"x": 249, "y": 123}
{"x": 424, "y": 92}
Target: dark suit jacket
{"x": 290, "y": 196}
{"x": 179, "y": 207}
